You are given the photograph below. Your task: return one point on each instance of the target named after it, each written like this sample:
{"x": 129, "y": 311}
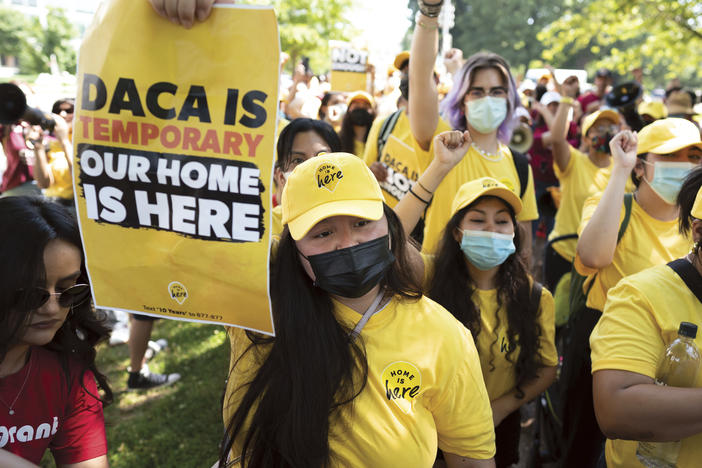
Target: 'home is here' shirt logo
{"x": 402, "y": 382}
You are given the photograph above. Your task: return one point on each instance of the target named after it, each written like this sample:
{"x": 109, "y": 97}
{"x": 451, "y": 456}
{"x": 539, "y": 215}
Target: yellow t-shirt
{"x": 402, "y": 155}
{"x": 58, "y": 165}
{"x": 646, "y": 242}
{"x": 473, "y": 166}
{"x": 277, "y": 222}
{"x": 492, "y": 342}
{"x": 358, "y": 148}
{"x": 637, "y": 325}
{"x": 416, "y": 349}
{"x": 580, "y": 180}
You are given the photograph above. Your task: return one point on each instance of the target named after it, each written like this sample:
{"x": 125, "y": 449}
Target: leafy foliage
{"x": 661, "y": 36}
{"x": 306, "y": 26}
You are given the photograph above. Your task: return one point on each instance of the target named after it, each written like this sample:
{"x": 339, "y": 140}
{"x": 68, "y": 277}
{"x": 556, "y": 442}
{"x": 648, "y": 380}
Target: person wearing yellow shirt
{"x": 478, "y": 275}
{"x": 398, "y": 158}
{"x": 483, "y": 100}
{"x": 363, "y": 370}
{"x": 667, "y": 150}
{"x": 359, "y": 117}
{"x": 640, "y": 319}
{"x": 300, "y": 140}
{"x": 581, "y": 175}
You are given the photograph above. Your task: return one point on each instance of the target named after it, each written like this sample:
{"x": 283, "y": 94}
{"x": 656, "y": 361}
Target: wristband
{"x": 418, "y": 197}
{"x": 424, "y": 188}
{"x": 567, "y": 100}
{"x": 424, "y": 24}
{"x": 430, "y": 10}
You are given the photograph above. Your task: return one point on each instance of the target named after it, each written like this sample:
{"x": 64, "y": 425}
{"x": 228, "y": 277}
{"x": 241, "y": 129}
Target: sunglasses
{"x": 34, "y": 298}
{"x": 67, "y": 110}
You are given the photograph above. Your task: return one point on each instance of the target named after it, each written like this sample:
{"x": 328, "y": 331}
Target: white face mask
{"x": 668, "y": 179}
{"x": 487, "y": 113}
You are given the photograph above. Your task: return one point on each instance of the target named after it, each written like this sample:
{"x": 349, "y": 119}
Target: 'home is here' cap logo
{"x": 328, "y": 176}
{"x": 177, "y": 292}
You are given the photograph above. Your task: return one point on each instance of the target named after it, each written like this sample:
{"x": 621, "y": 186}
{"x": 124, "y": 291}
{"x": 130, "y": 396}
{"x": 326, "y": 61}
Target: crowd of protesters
{"x": 482, "y": 271}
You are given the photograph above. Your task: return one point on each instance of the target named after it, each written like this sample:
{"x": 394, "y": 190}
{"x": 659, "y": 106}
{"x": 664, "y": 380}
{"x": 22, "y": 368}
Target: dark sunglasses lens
{"x": 36, "y": 298}
{"x": 75, "y": 295}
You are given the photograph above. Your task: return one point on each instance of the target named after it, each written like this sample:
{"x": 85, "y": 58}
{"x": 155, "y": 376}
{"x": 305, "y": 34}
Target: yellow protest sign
{"x": 348, "y": 68}
{"x": 174, "y": 135}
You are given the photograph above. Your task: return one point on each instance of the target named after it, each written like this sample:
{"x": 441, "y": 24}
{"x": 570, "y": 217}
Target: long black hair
{"x": 686, "y": 200}
{"x": 313, "y": 369}
{"x": 287, "y": 136}
{"x": 27, "y": 225}
{"x": 452, "y": 287}
{"x": 347, "y": 135}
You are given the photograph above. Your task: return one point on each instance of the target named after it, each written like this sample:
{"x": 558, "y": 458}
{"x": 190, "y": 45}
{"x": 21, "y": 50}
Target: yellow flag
{"x": 174, "y": 136}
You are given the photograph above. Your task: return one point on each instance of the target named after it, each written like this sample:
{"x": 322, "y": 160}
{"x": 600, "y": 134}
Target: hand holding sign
{"x": 185, "y": 12}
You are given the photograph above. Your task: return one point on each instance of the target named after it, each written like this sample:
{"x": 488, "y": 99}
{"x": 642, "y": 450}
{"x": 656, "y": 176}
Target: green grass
{"x": 176, "y": 426}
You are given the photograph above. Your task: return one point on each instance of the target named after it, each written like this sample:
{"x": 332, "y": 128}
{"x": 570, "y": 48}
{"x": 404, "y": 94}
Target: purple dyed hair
{"x": 452, "y": 107}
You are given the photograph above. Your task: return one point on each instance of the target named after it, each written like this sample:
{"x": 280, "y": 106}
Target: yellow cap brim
{"x": 502, "y": 193}
{"x": 366, "y": 209}
{"x": 670, "y": 146}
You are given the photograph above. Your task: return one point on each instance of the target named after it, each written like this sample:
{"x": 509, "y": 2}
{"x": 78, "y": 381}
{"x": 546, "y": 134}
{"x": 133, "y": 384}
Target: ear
{"x": 639, "y": 169}
{"x": 697, "y": 230}
{"x": 458, "y": 235}
{"x": 278, "y": 178}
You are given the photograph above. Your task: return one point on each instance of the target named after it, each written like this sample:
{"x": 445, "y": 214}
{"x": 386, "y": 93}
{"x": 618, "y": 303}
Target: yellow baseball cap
{"x": 666, "y": 136}
{"x": 697, "y": 206}
{"x": 471, "y": 191}
{"x": 400, "y": 59}
{"x": 655, "y": 109}
{"x": 332, "y": 184}
{"x": 590, "y": 119}
{"x": 360, "y": 95}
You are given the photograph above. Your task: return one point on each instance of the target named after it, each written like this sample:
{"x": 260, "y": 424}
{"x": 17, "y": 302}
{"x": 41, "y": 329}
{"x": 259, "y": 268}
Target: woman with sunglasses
{"x": 48, "y": 333}
{"x": 363, "y": 370}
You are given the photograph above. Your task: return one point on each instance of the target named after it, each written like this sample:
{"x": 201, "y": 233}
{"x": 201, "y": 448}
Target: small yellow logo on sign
{"x": 402, "y": 382}
{"x": 178, "y": 292}
{"x": 328, "y": 176}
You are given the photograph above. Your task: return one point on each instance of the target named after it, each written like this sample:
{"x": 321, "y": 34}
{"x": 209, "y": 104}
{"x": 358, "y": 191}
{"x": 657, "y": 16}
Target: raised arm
{"x": 598, "y": 240}
{"x": 449, "y": 149}
{"x": 559, "y": 131}
{"x": 423, "y": 97}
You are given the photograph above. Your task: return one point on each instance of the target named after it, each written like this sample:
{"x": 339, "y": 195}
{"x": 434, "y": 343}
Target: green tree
{"x": 13, "y": 27}
{"x": 506, "y": 27}
{"x": 306, "y": 26}
{"x": 661, "y": 36}
{"x": 53, "y": 38}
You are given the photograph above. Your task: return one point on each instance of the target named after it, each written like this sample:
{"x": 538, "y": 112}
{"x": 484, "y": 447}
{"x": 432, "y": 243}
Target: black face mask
{"x": 353, "y": 271}
{"x": 404, "y": 87}
{"x": 361, "y": 117}
{"x": 601, "y": 143}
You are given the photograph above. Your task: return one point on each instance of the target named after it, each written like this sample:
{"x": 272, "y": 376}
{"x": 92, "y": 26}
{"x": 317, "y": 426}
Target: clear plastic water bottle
{"x": 678, "y": 368}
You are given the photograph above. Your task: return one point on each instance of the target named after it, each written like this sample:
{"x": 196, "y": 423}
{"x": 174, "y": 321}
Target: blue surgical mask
{"x": 486, "y": 249}
{"x": 487, "y": 113}
{"x": 668, "y": 179}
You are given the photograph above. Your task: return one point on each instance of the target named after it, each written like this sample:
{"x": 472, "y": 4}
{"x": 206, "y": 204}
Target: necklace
{"x": 494, "y": 157}
{"x": 26, "y": 377}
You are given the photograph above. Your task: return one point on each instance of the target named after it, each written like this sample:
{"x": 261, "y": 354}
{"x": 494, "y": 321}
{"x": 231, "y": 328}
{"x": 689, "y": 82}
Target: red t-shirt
{"x": 50, "y": 415}
{"x": 17, "y": 172}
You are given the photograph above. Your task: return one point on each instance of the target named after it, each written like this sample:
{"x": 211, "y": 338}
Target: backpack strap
{"x": 386, "y": 129}
{"x": 628, "y": 202}
{"x": 689, "y": 274}
{"x": 521, "y": 164}
{"x": 535, "y": 296}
